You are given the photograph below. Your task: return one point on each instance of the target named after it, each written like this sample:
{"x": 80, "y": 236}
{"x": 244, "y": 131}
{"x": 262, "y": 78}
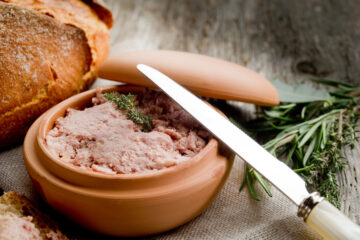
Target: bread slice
{"x": 49, "y": 51}
{"x": 16, "y": 207}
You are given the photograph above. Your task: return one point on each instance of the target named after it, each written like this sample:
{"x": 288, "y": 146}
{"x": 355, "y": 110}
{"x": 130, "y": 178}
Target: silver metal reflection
{"x": 308, "y": 204}
{"x": 275, "y": 171}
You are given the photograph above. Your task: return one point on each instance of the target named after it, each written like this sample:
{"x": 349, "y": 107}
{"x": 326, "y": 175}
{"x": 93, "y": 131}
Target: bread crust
{"x": 49, "y": 50}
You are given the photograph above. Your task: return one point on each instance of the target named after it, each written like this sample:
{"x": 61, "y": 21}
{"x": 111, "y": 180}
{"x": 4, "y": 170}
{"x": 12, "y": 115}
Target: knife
{"x": 323, "y": 217}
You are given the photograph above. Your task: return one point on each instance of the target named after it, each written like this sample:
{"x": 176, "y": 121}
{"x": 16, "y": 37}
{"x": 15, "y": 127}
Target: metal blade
{"x": 275, "y": 171}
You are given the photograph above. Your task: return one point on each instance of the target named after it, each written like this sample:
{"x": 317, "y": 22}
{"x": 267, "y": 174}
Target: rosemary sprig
{"x": 308, "y": 137}
{"x": 126, "y": 103}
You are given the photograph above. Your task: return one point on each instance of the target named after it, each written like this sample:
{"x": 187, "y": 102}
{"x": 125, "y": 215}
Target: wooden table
{"x": 288, "y": 40}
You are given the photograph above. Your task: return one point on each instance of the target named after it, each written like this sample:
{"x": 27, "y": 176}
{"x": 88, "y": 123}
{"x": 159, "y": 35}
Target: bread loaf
{"x": 49, "y": 50}
{"x": 19, "y": 219}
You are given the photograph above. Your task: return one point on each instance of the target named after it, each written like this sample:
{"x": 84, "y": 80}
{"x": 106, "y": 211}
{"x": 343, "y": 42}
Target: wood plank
{"x": 289, "y": 40}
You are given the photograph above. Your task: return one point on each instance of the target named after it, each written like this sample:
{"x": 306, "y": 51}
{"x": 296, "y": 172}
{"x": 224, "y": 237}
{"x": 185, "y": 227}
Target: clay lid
{"x": 203, "y": 75}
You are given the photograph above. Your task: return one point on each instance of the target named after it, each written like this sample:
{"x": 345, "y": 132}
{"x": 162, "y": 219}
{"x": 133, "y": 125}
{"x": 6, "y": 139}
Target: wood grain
{"x": 289, "y": 40}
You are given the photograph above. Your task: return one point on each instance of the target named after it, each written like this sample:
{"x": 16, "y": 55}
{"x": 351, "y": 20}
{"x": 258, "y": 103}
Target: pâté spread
{"x": 16, "y": 227}
{"x": 101, "y": 138}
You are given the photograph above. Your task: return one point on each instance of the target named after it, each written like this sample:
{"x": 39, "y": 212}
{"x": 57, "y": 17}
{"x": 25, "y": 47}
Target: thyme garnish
{"x": 308, "y": 136}
{"x": 126, "y": 103}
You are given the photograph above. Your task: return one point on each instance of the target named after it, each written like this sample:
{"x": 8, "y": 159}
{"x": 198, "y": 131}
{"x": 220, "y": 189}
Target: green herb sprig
{"x": 308, "y": 135}
{"x": 126, "y": 103}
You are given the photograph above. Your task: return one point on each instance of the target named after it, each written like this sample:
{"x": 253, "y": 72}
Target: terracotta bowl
{"x": 127, "y": 204}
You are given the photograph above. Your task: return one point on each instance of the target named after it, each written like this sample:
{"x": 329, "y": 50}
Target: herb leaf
{"x": 126, "y": 103}
{"x": 300, "y": 93}
{"x": 309, "y": 132}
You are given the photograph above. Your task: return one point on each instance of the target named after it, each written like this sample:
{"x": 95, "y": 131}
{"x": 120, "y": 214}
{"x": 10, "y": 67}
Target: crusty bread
{"x": 49, "y": 50}
{"x": 16, "y": 204}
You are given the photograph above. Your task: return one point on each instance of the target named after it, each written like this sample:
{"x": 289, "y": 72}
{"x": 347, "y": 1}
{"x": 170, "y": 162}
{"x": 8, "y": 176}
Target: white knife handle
{"x": 330, "y": 223}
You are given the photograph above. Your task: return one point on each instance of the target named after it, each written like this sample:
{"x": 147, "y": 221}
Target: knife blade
{"x": 261, "y": 160}
{"x": 318, "y": 213}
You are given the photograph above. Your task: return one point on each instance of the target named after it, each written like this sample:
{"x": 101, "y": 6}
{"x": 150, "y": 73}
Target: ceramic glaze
{"x": 123, "y": 204}
{"x": 149, "y": 202}
{"x": 202, "y": 75}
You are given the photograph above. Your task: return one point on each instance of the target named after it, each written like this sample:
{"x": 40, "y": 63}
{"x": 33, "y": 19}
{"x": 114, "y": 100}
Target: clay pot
{"x": 127, "y": 204}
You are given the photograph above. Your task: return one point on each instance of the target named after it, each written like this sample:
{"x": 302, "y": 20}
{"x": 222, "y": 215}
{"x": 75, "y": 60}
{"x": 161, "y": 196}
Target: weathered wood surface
{"x": 289, "y": 40}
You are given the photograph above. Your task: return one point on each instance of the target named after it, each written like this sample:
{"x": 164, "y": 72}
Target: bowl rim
{"x": 50, "y": 117}
{"x": 41, "y": 175}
